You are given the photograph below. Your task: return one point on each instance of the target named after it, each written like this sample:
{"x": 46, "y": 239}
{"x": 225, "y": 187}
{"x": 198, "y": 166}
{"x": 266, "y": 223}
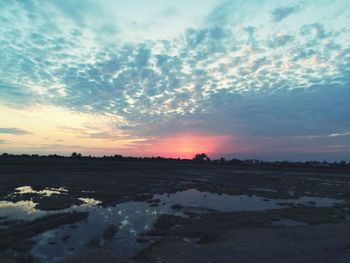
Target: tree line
{"x": 198, "y": 158}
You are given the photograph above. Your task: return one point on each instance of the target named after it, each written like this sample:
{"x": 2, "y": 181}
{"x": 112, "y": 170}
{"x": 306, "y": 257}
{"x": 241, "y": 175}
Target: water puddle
{"x": 264, "y": 190}
{"x": 21, "y": 210}
{"x": 285, "y": 222}
{"x": 128, "y": 220}
{"x": 233, "y": 203}
{"x": 89, "y": 201}
{"x": 118, "y": 227}
{"x": 46, "y": 192}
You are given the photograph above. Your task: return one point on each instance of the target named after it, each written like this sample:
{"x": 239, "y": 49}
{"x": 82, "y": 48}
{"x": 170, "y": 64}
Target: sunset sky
{"x": 239, "y": 79}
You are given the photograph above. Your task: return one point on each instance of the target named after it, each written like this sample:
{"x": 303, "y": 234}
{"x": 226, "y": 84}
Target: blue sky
{"x": 249, "y": 79}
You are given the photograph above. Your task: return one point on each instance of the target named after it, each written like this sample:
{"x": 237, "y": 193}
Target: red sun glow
{"x": 187, "y": 145}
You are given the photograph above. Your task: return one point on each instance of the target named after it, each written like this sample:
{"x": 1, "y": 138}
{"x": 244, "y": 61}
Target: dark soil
{"x": 211, "y": 237}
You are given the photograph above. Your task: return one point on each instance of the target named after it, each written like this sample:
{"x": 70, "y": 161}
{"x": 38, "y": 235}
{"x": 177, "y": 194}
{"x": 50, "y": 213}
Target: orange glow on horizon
{"x": 188, "y": 145}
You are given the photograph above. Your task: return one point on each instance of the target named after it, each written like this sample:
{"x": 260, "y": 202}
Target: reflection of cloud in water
{"x": 193, "y": 198}
{"x": 124, "y": 223}
{"x": 132, "y": 218}
{"x": 89, "y": 201}
{"x": 45, "y": 192}
{"x": 21, "y": 210}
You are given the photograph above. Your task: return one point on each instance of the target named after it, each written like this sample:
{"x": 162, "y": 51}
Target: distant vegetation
{"x": 198, "y": 158}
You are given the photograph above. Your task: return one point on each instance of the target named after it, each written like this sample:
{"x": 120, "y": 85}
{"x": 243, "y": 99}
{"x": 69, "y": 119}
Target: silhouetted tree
{"x": 201, "y": 157}
{"x": 222, "y": 160}
{"x": 76, "y": 155}
{"x": 118, "y": 157}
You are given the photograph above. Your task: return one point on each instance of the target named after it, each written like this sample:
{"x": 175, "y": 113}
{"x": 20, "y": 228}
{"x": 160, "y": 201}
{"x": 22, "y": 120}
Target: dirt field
{"x": 290, "y": 233}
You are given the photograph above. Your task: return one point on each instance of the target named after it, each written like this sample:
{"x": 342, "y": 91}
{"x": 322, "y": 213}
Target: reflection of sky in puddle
{"x": 231, "y": 203}
{"x": 133, "y": 218}
{"x": 89, "y": 201}
{"x": 264, "y": 190}
{"x": 21, "y": 210}
{"x": 46, "y": 192}
{"x": 286, "y": 222}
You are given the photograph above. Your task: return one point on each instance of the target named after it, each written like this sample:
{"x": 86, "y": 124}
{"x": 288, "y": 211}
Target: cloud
{"x": 14, "y": 131}
{"x": 105, "y": 135}
{"x": 280, "y": 40}
{"x": 15, "y": 94}
{"x": 347, "y": 133}
{"x": 164, "y": 77}
{"x": 169, "y": 12}
{"x": 4, "y": 141}
{"x": 237, "y": 73}
{"x": 283, "y": 12}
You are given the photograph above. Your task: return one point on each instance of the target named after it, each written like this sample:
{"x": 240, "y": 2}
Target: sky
{"x": 239, "y": 79}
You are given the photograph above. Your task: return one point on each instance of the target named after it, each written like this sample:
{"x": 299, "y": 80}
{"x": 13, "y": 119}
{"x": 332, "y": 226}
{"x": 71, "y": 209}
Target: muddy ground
{"x": 324, "y": 235}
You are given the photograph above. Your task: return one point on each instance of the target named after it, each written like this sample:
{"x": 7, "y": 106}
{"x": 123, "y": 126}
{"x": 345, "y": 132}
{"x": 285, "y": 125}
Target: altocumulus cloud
{"x": 256, "y": 69}
{"x": 14, "y": 131}
{"x": 283, "y": 12}
{"x": 4, "y": 141}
